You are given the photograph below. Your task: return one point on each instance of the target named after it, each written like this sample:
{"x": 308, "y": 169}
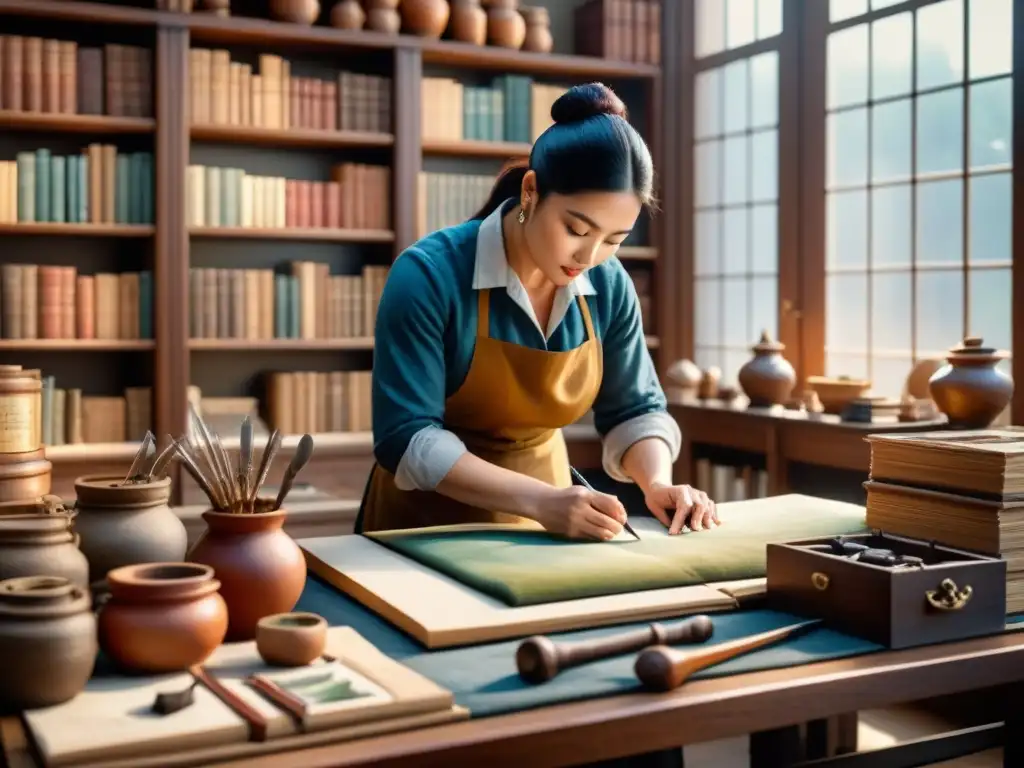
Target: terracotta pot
{"x": 291, "y": 639}
{"x": 348, "y": 14}
{"x": 538, "y": 30}
{"x": 127, "y": 524}
{"x": 710, "y": 379}
{"x": 162, "y": 617}
{"x": 767, "y": 379}
{"x": 683, "y": 378}
{"x": 21, "y": 409}
{"x": 425, "y": 18}
{"x": 261, "y": 569}
{"x": 304, "y": 12}
{"x": 47, "y": 642}
{"x": 24, "y": 475}
{"x": 468, "y": 22}
{"x": 34, "y": 543}
{"x": 383, "y": 16}
{"x": 970, "y": 390}
{"x": 506, "y": 27}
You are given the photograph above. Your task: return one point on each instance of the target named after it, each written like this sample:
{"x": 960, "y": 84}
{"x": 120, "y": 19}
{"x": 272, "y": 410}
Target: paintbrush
{"x": 303, "y": 453}
{"x": 245, "y": 461}
{"x": 192, "y": 467}
{"x": 581, "y": 480}
{"x": 203, "y": 445}
{"x": 163, "y": 460}
{"x": 273, "y": 445}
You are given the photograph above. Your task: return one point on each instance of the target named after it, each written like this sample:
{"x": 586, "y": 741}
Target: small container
{"x": 21, "y": 409}
{"x": 26, "y": 475}
{"x": 33, "y": 542}
{"x": 291, "y": 639}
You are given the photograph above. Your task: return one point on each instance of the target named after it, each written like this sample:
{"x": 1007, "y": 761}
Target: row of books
{"x": 55, "y": 302}
{"x": 299, "y": 402}
{"x": 98, "y": 186}
{"x": 226, "y": 92}
{"x": 307, "y": 302}
{"x": 447, "y": 199}
{"x": 69, "y": 417}
{"x": 512, "y": 108}
{"x": 624, "y": 30}
{"x": 357, "y": 197}
{"x": 61, "y": 77}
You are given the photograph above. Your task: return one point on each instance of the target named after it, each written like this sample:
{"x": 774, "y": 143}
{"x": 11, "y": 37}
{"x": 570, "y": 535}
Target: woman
{"x": 493, "y": 334}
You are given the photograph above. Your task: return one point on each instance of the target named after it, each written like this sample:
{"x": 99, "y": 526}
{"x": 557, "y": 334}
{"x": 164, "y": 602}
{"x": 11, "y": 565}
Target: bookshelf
{"x": 301, "y": 156}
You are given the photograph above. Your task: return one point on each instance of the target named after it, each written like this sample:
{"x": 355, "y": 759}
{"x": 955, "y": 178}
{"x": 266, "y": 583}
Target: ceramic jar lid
{"x": 972, "y": 349}
{"x": 767, "y": 345}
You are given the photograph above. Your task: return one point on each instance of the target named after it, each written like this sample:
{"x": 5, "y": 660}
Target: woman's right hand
{"x": 579, "y": 513}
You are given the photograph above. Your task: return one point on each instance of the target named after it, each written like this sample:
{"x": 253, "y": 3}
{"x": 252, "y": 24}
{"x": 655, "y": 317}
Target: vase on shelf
{"x": 538, "y": 37}
{"x": 383, "y": 16}
{"x": 348, "y": 14}
{"x": 506, "y": 27}
{"x": 468, "y": 22}
{"x": 969, "y": 389}
{"x": 304, "y": 12}
{"x": 425, "y": 18}
{"x": 768, "y": 378}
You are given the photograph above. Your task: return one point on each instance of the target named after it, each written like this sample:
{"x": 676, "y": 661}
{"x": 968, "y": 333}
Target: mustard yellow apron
{"x": 509, "y": 411}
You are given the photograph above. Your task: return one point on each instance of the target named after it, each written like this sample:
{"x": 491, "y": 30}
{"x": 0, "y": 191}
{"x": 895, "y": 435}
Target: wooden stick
{"x": 664, "y": 669}
{"x": 540, "y": 658}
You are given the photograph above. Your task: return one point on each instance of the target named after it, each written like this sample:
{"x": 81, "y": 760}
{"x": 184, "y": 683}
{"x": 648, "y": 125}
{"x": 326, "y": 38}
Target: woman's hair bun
{"x": 583, "y": 101}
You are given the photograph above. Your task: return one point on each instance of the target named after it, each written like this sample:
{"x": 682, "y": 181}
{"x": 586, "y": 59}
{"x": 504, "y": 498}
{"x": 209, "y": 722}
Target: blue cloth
{"x": 427, "y": 319}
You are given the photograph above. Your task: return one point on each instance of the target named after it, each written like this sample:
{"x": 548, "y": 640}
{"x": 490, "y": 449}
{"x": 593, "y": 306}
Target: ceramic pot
{"x": 970, "y": 390}
{"x": 348, "y": 14}
{"x": 34, "y": 543}
{"x": 710, "y": 379}
{"x": 383, "y": 16}
{"x": 261, "y": 569}
{"x": 291, "y": 639}
{"x": 837, "y": 393}
{"x": 768, "y": 378}
{"x": 304, "y": 12}
{"x": 683, "y": 378}
{"x": 506, "y": 27}
{"x": 24, "y": 475}
{"x": 162, "y": 617}
{"x": 126, "y": 524}
{"x": 468, "y": 22}
{"x": 21, "y": 409}
{"x": 425, "y": 18}
{"x": 47, "y": 642}
{"x": 538, "y": 30}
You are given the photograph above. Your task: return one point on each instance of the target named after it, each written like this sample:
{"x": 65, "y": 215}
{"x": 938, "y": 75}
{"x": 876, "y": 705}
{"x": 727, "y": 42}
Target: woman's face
{"x": 568, "y": 234}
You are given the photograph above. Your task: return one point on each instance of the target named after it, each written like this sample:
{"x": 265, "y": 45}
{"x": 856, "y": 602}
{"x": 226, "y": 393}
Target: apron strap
{"x": 587, "y": 322}
{"x": 483, "y": 313}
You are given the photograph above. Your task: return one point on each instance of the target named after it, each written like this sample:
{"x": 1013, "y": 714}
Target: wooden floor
{"x": 878, "y": 728}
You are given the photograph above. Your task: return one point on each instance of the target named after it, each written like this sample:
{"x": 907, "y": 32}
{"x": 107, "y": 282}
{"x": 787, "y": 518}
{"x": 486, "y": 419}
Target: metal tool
{"x": 581, "y": 480}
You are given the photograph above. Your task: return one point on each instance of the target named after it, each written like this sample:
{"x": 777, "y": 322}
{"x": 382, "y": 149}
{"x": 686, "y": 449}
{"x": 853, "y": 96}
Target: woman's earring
{"x": 522, "y": 216}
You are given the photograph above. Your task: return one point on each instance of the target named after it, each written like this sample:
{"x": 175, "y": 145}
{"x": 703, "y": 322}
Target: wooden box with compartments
{"x": 892, "y": 590}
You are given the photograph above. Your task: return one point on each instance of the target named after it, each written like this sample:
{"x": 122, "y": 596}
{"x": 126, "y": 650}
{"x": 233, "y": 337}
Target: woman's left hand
{"x": 681, "y": 505}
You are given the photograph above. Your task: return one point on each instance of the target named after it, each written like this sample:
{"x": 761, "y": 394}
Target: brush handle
{"x": 303, "y": 453}
{"x": 163, "y": 459}
{"x": 197, "y": 474}
{"x": 266, "y": 461}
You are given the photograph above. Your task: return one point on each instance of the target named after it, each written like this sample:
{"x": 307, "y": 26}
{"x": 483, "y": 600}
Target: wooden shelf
{"x": 471, "y": 148}
{"x": 91, "y": 453}
{"x": 335, "y": 443}
{"x": 74, "y": 123}
{"x": 206, "y": 29}
{"x": 77, "y": 345}
{"x": 327, "y": 235}
{"x": 290, "y": 137}
{"x": 453, "y": 54}
{"x": 638, "y": 253}
{"x": 77, "y": 230}
{"x": 280, "y": 345}
{"x": 96, "y": 13}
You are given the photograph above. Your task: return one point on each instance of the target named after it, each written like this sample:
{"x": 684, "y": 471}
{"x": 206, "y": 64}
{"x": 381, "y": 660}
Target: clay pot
{"x": 768, "y": 378}
{"x": 291, "y": 639}
{"x": 24, "y": 475}
{"x": 837, "y": 393}
{"x": 21, "y": 403}
{"x": 304, "y": 12}
{"x": 506, "y": 27}
{"x": 47, "y": 642}
{"x": 348, "y": 14}
{"x": 710, "y": 379}
{"x": 970, "y": 390}
{"x": 383, "y": 16}
{"x": 425, "y": 18}
{"x": 33, "y": 542}
{"x": 126, "y": 524}
{"x": 538, "y": 30}
{"x": 468, "y": 22}
{"x": 261, "y": 569}
{"x": 683, "y": 378}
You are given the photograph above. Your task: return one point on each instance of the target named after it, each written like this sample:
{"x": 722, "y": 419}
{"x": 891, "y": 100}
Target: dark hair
{"x": 590, "y": 148}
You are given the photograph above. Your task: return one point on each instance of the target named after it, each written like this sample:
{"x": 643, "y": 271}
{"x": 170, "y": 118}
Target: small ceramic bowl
{"x": 291, "y": 639}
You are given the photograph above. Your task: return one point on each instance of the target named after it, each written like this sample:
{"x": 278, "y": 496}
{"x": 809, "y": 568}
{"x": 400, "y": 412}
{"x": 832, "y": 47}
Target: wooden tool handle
{"x": 540, "y": 658}
{"x": 661, "y": 668}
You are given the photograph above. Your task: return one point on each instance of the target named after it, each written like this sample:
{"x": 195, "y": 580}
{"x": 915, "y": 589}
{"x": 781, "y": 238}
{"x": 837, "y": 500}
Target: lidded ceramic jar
{"x": 767, "y": 379}
{"x": 538, "y": 29}
{"x": 126, "y": 524}
{"x": 34, "y": 542}
{"x": 47, "y": 642}
{"x": 468, "y": 22}
{"x": 506, "y": 27}
{"x": 970, "y": 390}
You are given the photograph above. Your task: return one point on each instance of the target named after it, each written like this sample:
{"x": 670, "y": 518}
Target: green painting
{"x": 528, "y": 567}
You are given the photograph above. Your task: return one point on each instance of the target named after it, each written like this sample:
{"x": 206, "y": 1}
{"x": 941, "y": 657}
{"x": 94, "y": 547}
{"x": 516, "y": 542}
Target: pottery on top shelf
{"x": 35, "y": 541}
{"x": 304, "y": 12}
{"x": 47, "y": 642}
{"x": 468, "y": 22}
{"x": 382, "y": 16}
{"x": 970, "y": 390}
{"x": 506, "y": 27}
{"x": 538, "y": 29}
{"x": 767, "y": 379}
{"x": 348, "y": 14}
{"x": 126, "y": 524}
{"x": 425, "y": 18}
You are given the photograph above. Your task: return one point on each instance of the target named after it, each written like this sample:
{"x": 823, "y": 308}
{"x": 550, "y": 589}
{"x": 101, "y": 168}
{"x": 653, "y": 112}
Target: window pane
{"x": 940, "y": 228}
{"x": 991, "y": 306}
{"x": 940, "y": 44}
{"x": 741, "y": 23}
{"x": 764, "y": 152}
{"x": 991, "y": 228}
{"x": 707, "y": 256}
{"x": 848, "y": 148}
{"x": 764, "y": 307}
{"x": 734, "y": 238}
{"x": 707, "y": 119}
{"x": 991, "y": 37}
{"x": 710, "y": 27}
{"x": 764, "y": 83}
{"x": 991, "y": 116}
{"x": 735, "y": 188}
{"x": 891, "y": 300}
{"x": 707, "y": 357}
{"x": 732, "y": 361}
{"x": 707, "y": 172}
{"x": 707, "y": 295}
{"x": 846, "y": 312}
{"x": 876, "y": 4}
{"x": 889, "y": 375}
{"x": 764, "y": 239}
{"x": 940, "y": 310}
{"x": 852, "y": 366}
{"x": 891, "y": 46}
{"x": 848, "y": 229}
{"x": 891, "y": 242}
{"x": 847, "y": 67}
{"x": 736, "y": 96}
{"x": 769, "y": 18}
{"x": 940, "y": 131}
{"x": 736, "y": 306}
{"x": 891, "y": 140}
{"x": 846, "y": 9}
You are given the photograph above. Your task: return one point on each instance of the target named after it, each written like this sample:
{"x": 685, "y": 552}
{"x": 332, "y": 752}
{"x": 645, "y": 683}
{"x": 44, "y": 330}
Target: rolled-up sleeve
{"x": 409, "y": 376}
{"x": 631, "y": 405}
